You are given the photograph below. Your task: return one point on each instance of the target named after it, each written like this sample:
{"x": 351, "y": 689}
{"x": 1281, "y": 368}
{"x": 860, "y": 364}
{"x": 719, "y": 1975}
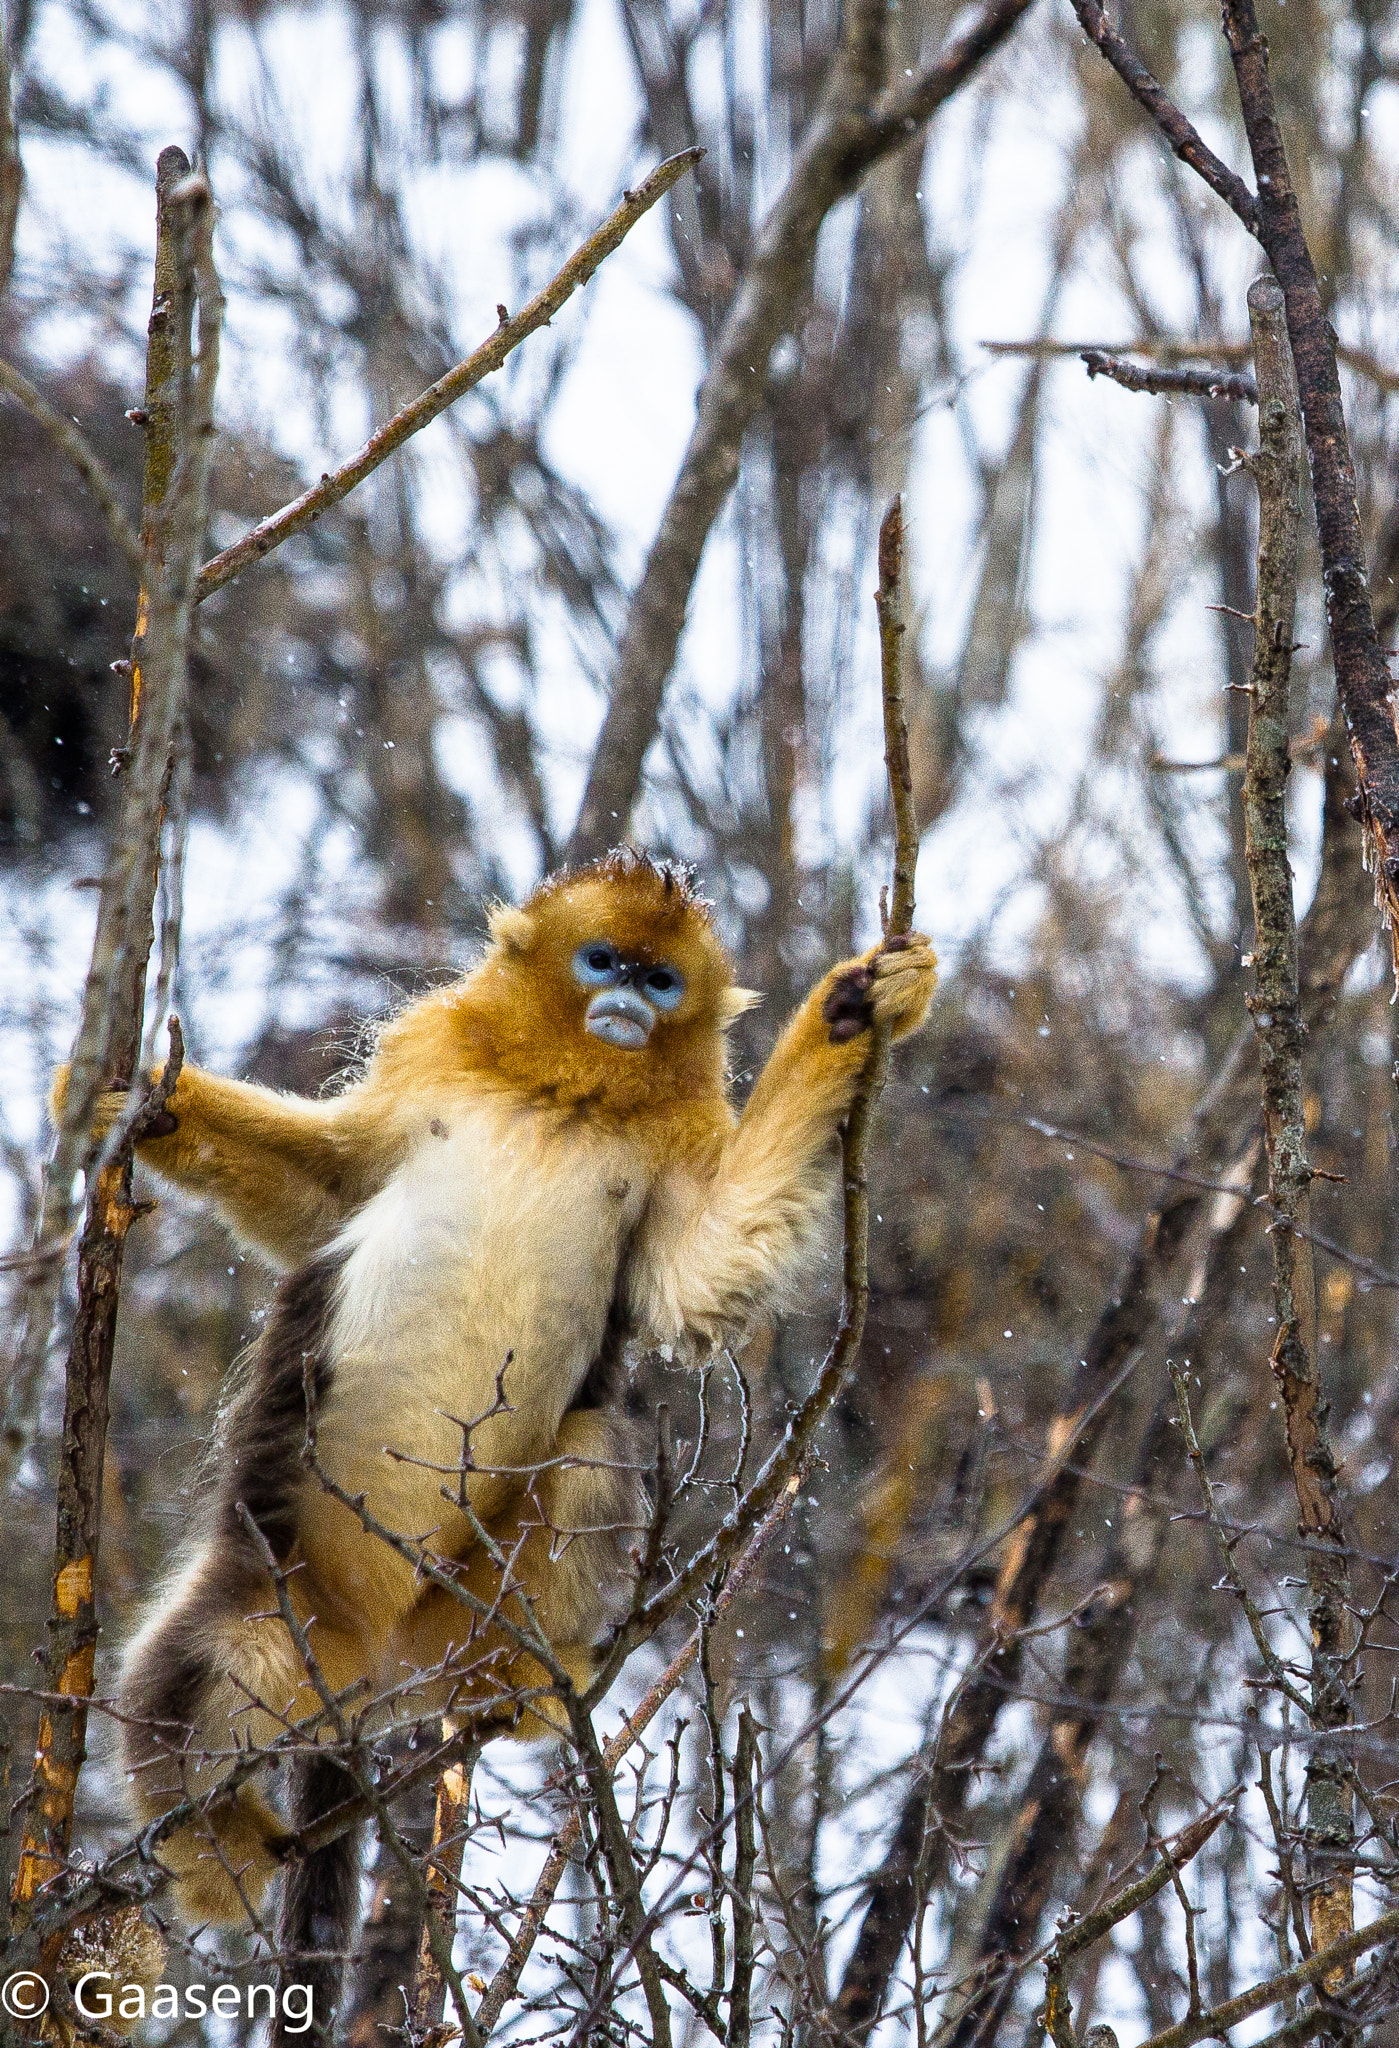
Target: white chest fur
{"x": 499, "y": 1238}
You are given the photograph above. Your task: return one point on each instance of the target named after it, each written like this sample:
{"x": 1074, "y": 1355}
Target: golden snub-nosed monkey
{"x": 537, "y": 1164}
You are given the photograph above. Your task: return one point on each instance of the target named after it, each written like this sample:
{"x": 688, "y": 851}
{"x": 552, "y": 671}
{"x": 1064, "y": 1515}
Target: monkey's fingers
{"x": 892, "y": 985}
{"x": 846, "y": 1007}
{"x": 110, "y": 1105}
{"x": 905, "y": 971}
{"x": 106, "y": 1109}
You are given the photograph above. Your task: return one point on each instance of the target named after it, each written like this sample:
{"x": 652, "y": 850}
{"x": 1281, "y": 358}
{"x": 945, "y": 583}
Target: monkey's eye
{"x": 596, "y": 965}
{"x": 663, "y": 988}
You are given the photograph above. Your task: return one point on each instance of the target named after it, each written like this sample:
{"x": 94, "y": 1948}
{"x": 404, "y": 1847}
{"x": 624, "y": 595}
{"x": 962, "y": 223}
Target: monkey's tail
{"x": 320, "y": 1906}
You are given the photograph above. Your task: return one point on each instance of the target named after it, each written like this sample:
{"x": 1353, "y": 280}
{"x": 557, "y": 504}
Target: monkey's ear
{"x": 512, "y": 930}
{"x": 734, "y": 1002}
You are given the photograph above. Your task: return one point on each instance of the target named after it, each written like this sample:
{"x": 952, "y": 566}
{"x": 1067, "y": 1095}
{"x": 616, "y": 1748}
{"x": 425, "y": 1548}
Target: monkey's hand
{"x": 892, "y": 985}
{"x": 110, "y": 1105}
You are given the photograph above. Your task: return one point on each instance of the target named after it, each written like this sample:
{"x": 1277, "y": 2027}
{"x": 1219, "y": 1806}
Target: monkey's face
{"x": 636, "y": 967}
{"x": 627, "y": 992}
{"x": 614, "y": 973}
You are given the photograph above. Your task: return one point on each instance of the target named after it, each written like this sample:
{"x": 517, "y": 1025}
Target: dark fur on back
{"x": 261, "y": 1432}
{"x": 254, "y": 1458}
{"x": 255, "y": 1455}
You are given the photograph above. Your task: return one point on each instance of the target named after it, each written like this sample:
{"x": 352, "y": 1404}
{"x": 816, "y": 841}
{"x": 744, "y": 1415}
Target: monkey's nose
{"x": 620, "y": 1017}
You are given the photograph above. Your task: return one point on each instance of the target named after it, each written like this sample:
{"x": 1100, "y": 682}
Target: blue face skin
{"x": 630, "y": 995}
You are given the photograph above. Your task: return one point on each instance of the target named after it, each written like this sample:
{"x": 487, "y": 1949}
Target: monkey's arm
{"x": 284, "y": 1172}
{"x": 716, "y": 1251}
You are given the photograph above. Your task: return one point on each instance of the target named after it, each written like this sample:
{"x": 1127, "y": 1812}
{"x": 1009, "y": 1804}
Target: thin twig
{"x": 70, "y": 438}
{"x": 1082, "y": 1934}
{"x": 889, "y": 606}
{"x": 1316, "y": 1969}
{"x": 1167, "y": 383}
{"x": 503, "y": 1984}
{"x": 419, "y": 412}
{"x": 745, "y": 1861}
{"x": 1172, "y": 348}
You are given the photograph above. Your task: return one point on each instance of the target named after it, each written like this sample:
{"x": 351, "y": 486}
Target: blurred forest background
{"x": 392, "y": 721}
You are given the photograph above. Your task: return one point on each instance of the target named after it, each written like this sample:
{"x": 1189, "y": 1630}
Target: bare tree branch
{"x": 84, "y": 458}
{"x": 180, "y": 398}
{"x": 1206, "y": 2026}
{"x": 1166, "y": 383}
{"x": 105, "y": 1053}
{"x": 421, "y": 411}
{"x": 1187, "y": 144}
{"x": 1277, "y": 1017}
{"x": 1362, "y": 677}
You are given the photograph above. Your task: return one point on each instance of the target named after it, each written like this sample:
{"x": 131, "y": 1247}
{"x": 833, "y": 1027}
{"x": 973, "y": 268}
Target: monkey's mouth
{"x": 620, "y": 1017}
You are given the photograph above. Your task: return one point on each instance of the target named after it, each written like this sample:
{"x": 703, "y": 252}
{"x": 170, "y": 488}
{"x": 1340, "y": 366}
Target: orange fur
{"x": 498, "y": 1182}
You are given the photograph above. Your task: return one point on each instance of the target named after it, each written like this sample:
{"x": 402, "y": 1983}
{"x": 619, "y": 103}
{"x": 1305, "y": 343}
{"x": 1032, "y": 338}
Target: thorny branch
{"x": 1324, "y": 1965}
{"x": 1081, "y": 1933}
{"x": 503, "y": 1984}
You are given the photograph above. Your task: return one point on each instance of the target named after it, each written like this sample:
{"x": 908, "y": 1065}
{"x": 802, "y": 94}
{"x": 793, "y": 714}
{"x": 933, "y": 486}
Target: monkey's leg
{"x": 567, "y": 1541}
{"x": 320, "y": 1903}
{"x": 588, "y": 1510}
{"x": 212, "y": 1672}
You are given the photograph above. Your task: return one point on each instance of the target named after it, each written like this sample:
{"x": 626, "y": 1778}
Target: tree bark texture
{"x": 179, "y": 429}
{"x": 1274, "y": 216}
{"x": 1362, "y": 676}
{"x": 1277, "y": 1017}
